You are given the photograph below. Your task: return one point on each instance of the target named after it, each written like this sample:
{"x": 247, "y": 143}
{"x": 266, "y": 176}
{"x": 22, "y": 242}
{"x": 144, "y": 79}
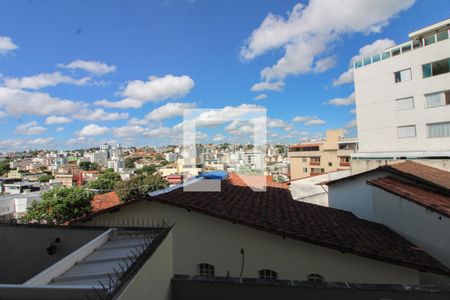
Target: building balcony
{"x": 314, "y": 163}
{"x": 344, "y": 164}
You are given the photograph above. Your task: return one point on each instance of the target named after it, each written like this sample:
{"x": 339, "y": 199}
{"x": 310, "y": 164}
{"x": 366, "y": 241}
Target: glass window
{"x": 437, "y": 130}
{"x": 376, "y": 58}
{"x": 429, "y": 39}
{"x": 406, "y": 131}
{"x": 417, "y": 44}
{"x": 435, "y": 99}
{"x": 426, "y": 70}
{"x": 404, "y": 103}
{"x": 206, "y": 270}
{"x": 358, "y": 64}
{"x": 267, "y": 274}
{"x": 395, "y": 51}
{"x": 443, "y": 35}
{"x": 367, "y": 61}
{"x": 330, "y": 164}
{"x": 315, "y": 277}
{"x": 404, "y": 75}
{"x": 305, "y": 170}
{"x": 385, "y": 55}
{"x": 406, "y": 48}
{"x": 440, "y": 67}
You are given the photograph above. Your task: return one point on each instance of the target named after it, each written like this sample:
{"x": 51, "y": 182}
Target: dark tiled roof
{"x": 424, "y": 197}
{"x": 274, "y": 211}
{"x": 423, "y": 173}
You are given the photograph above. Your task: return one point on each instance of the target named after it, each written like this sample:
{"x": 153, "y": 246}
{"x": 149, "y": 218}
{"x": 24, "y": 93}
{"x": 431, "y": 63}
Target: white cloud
{"x": 30, "y": 128}
{"x": 57, "y": 120}
{"x": 302, "y": 119}
{"x": 368, "y": 50}
{"x": 159, "y": 88}
{"x": 309, "y": 30}
{"x": 343, "y": 101}
{"x": 351, "y": 124}
{"x": 43, "y": 80}
{"x": 159, "y": 132}
{"x": 260, "y": 97}
{"x": 128, "y": 130}
{"x": 23, "y": 144}
{"x": 92, "y": 130}
{"x": 169, "y": 110}
{"x": 325, "y": 64}
{"x": 353, "y": 111}
{"x": 346, "y": 77}
{"x": 6, "y": 44}
{"x": 99, "y": 114}
{"x": 60, "y": 129}
{"x": 2, "y": 114}
{"x": 18, "y": 102}
{"x": 218, "y": 137}
{"x": 315, "y": 122}
{"x": 269, "y": 86}
{"x": 125, "y": 103}
{"x": 94, "y": 67}
{"x": 40, "y": 141}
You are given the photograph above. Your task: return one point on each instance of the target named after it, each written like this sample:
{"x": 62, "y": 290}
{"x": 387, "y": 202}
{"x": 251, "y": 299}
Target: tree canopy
{"x": 4, "y": 167}
{"x": 150, "y": 169}
{"x": 139, "y": 186}
{"x": 88, "y": 166}
{"x": 106, "y": 181}
{"x": 59, "y": 205}
{"x": 46, "y": 178}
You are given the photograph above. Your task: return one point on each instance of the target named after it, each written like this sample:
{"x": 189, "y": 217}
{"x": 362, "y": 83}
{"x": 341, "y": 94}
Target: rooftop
{"x": 103, "y": 201}
{"x": 422, "y": 196}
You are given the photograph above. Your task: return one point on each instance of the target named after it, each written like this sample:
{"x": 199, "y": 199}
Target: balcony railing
{"x": 344, "y": 164}
{"x": 314, "y": 163}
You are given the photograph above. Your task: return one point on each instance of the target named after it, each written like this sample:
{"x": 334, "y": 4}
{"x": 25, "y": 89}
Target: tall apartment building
{"x": 318, "y": 157}
{"x": 403, "y": 101}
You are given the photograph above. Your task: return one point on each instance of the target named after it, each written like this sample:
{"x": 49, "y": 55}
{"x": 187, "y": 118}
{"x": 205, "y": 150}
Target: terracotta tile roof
{"x": 104, "y": 201}
{"x": 426, "y": 174}
{"x": 276, "y": 212}
{"x": 424, "y": 197}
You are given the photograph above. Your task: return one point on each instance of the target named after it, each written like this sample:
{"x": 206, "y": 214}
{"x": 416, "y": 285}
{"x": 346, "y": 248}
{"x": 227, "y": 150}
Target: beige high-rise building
{"x": 318, "y": 157}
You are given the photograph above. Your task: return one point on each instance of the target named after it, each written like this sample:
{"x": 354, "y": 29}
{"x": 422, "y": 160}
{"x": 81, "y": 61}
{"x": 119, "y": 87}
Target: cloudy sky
{"x": 79, "y": 73}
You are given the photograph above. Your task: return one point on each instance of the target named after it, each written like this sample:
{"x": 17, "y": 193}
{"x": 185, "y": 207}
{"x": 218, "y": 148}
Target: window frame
{"x": 405, "y": 98}
{"x": 206, "y": 270}
{"x": 400, "y": 75}
{"x": 315, "y": 277}
{"x": 437, "y": 123}
{"x": 406, "y": 137}
{"x": 267, "y": 274}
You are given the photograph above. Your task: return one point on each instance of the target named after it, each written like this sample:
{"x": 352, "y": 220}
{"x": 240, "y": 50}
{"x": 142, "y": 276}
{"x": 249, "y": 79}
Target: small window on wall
{"x": 404, "y": 103}
{"x": 438, "y": 130}
{"x": 315, "y": 277}
{"x": 304, "y": 159}
{"x": 436, "y": 68}
{"x": 267, "y": 274}
{"x": 406, "y": 131}
{"x": 443, "y": 35}
{"x": 437, "y": 99}
{"x": 404, "y": 75}
{"x": 206, "y": 270}
{"x": 330, "y": 164}
{"x": 305, "y": 170}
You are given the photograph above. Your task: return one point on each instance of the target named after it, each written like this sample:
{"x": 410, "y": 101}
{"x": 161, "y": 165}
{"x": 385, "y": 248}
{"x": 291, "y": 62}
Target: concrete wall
{"x": 375, "y": 95}
{"x": 23, "y": 249}
{"x": 362, "y": 165}
{"x": 427, "y": 229}
{"x": 354, "y": 195}
{"x": 202, "y": 290}
{"x": 154, "y": 278}
{"x": 202, "y": 239}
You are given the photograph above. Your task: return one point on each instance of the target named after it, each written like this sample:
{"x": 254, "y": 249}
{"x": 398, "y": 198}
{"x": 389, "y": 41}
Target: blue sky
{"x": 79, "y": 73}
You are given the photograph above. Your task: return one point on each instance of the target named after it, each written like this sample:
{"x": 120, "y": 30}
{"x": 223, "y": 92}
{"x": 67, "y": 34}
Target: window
{"x": 206, "y": 270}
{"x": 268, "y": 274}
{"x": 437, "y": 130}
{"x": 315, "y": 277}
{"x": 305, "y": 170}
{"x": 406, "y": 48}
{"x": 330, "y": 164}
{"x": 436, "y": 68}
{"x": 395, "y": 51}
{"x": 314, "y": 160}
{"x": 344, "y": 159}
{"x": 404, "y": 103}
{"x": 437, "y": 99}
{"x": 429, "y": 39}
{"x": 404, "y": 75}
{"x": 406, "y": 131}
{"x": 443, "y": 35}
{"x": 304, "y": 159}
{"x": 385, "y": 55}
{"x": 376, "y": 58}
{"x": 367, "y": 61}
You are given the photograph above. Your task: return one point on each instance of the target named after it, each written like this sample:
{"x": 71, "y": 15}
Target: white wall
{"x": 427, "y": 229}
{"x": 199, "y": 238}
{"x": 153, "y": 280}
{"x": 354, "y": 195}
{"x": 376, "y": 91}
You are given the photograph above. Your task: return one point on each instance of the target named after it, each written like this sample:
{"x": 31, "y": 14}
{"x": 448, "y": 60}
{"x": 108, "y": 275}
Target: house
{"x": 410, "y": 198}
{"x": 406, "y": 88}
{"x": 319, "y": 157}
{"x": 64, "y": 179}
{"x": 20, "y": 187}
{"x": 104, "y": 201}
{"x": 237, "y": 232}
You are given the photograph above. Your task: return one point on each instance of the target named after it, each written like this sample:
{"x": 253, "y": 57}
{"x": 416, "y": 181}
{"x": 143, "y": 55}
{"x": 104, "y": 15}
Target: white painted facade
{"x": 199, "y": 238}
{"x": 378, "y": 113}
{"x": 423, "y": 227}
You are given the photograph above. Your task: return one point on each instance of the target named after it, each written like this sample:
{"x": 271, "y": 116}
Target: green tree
{"x": 46, "y": 178}
{"x": 88, "y": 166}
{"x": 105, "y": 181}
{"x": 129, "y": 162}
{"x": 150, "y": 169}
{"x": 4, "y": 167}
{"x": 59, "y": 205}
{"x": 139, "y": 186}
